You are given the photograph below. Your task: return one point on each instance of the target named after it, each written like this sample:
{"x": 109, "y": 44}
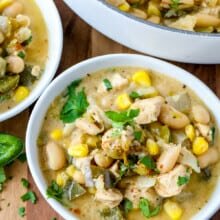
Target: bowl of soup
{"x": 126, "y": 137}
{"x": 184, "y": 31}
{"x": 29, "y": 54}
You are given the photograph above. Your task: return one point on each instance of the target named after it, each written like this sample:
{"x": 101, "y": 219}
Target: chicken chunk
{"x": 117, "y": 81}
{"x": 84, "y": 165}
{"x": 115, "y": 145}
{"x": 134, "y": 195}
{"x": 204, "y": 130}
{"x": 92, "y": 123}
{"x": 110, "y": 197}
{"x": 167, "y": 184}
{"x": 168, "y": 158}
{"x": 149, "y": 109}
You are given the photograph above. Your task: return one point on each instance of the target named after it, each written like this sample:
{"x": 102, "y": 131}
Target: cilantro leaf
{"x": 55, "y": 191}
{"x": 21, "y": 211}
{"x": 146, "y": 209}
{"x": 182, "y": 180}
{"x": 29, "y": 196}
{"x": 123, "y": 117}
{"x": 75, "y": 105}
{"x": 175, "y": 4}
{"x": 148, "y": 162}
{"x": 107, "y": 84}
{"x": 134, "y": 95}
{"x": 27, "y": 42}
{"x": 21, "y": 54}
{"x": 25, "y": 183}
{"x": 212, "y": 131}
{"x": 22, "y": 157}
{"x": 127, "y": 205}
{"x": 2, "y": 175}
{"x": 137, "y": 135}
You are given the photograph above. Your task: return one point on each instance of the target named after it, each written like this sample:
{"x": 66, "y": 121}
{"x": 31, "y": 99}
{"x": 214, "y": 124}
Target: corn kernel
{"x": 173, "y": 210}
{"x": 92, "y": 190}
{"x": 123, "y": 101}
{"x": 124, "y": 7}
{"x": 70, "y": 170}
{"x": 92, "y": 141}
{"x": 56, "y": 134}
{"x": 4, "y": 4}
{"x": 80, "y": 150}
{"x": 153, "y": 10}
{"x": 142, "y": 78}
{"x": 200, "y": 145}
{"x": 61, "y": 179}
{"x": 190, "y": 132}
{"x": 152, "y": 147}
{"x": 21, "y": 93}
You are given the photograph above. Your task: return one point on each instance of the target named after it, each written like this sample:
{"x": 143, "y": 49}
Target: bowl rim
{"x": 54, "y": 89}
{"x": 50, "y": 70}
{"x": 163, "y": 27}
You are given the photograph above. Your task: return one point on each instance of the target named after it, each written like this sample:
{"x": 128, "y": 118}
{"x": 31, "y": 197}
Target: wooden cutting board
{"x": 80, "y": 42}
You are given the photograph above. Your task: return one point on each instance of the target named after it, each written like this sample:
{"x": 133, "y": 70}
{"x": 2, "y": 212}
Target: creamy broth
{"x": 36, "y": 51}
{"x": 193, "y": 197}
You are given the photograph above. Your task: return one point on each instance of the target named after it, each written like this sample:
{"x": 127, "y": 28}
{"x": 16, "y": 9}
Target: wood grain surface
{"x": 80, "y": 42}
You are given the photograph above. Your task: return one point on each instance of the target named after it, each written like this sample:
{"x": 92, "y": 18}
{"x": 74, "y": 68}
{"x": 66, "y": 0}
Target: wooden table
{"x": 80, "y": 42}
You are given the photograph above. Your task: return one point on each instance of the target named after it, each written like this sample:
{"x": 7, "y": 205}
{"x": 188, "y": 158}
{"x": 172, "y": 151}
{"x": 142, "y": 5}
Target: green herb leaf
{"x": 2, "y": 175}
{"x": 76, "y": 104}
{"x": 123, "y": 117}
{"x": 29, "y": 196}
{"x": 175, "y": 4}
{"x": 107, "y": 84}
{"x": 182, "y": 180}
{"x": 21, "y": 54}
{"x": 25, "y": 183}
{"x": 22, "y": 158}
{"x": 21, "y": 211}
{"x": 134, "y": 95}
{"x": 127, "y": 205}
{"x": 55, "y": 191}
{"x": 148, "y": 162}
{"x": 212, "y": 135}
{"x": 146, "y": 209}
{"x": 27, "y": 42}
{"x": 4, "y": 97}
{"x": 137, "y": 135}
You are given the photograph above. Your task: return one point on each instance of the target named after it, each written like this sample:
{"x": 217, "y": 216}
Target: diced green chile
{"x": 26, "y": 78}
{"x": 73, "y": 190}
{"x": 10, "y": 148}
{"x": 9, "y": 83}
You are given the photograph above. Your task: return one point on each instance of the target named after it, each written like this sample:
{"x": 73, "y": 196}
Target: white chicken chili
{"x": 129, "y": 143}
{"x": 23, "y": 50}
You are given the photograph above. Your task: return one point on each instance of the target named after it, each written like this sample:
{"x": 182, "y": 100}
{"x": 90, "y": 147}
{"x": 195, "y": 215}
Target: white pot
{"x": 146, "y": 37}
{"x": 92, "y": 65}
{"x": 55, "y": 40}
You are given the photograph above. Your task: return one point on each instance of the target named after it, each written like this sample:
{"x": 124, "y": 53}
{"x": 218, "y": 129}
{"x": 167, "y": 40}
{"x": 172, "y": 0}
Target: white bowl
{"x": 55, "y": 40}
{"x": 146, "y": 37}
{"x": 92, "y": 65}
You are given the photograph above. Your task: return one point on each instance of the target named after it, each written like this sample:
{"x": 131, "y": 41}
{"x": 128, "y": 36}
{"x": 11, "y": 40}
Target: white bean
{"x": 200, "y": 114}
{"x": 209, "y": 157}
{"x": 13, "y": 10}
{"x": 55, "y": 156}
{"x": 173, "y": 118}
{"x": 168, "y": 159}
{"x": 15, "y": 64}
{"x": 102, "y": 160}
